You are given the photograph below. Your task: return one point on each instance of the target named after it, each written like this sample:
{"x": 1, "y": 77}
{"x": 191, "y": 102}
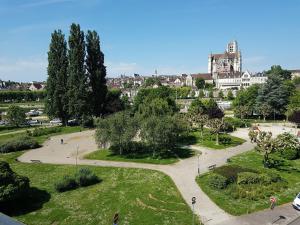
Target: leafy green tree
{"x": 216, "y": 125}
{"x": 211, "y": 94}
{"x": 150, "y": 81}
{"x": 265, "y": 145}
{"x": 278, "y": 71}
{"x": 200, "y": 83}
{"x": 161, "y": 133}
{"x": 253, "y": 135}
{"x": 265, "y": 110}
{"x": 293, "y": 112}
{"x": 197, "y": 106}
{"x": 230, "y": 95}
{"x": 212, "y": 109}
{"x": 12, "y": 185}
{"x": 57, "y": 93}
{"x": 156, "y": 107}
{"x": 113, "y": 101}
{"x": 287, "y": 143}
{"x": 198, "y": 119}
{"x": 16, "y": 115}
{"x": 96, "y": 72}
{"x": 117, "y": 130}
{"x": 276, "y": 93}
{"x": 242, "y": 111}
{"x": 77, "y": 81}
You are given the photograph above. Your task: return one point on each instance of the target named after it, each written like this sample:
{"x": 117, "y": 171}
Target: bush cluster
{"x": 43, "y": 131}
{"x": 18, "y": 144}
{"x": 248, "y": 178}
{"x": 230, "y": 172}
{"x": 84, "y": 177}
{"x": 217, "y": 181}
{"x": 234, "y": 122}
{"x": 12, "y": 185}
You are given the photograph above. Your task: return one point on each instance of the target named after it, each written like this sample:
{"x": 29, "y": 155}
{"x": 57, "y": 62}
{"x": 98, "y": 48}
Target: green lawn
{"x": 209, "y": 141}
{"x": 105, "y": 154}
{"x": 40, "y": 139}
{"x": 140, "y": 196}
{"x": 253, "y": 160}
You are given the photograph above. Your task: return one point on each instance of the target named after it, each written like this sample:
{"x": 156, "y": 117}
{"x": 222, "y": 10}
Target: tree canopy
{"x": 200, "y": 83}
{"x": 16, "y": 115}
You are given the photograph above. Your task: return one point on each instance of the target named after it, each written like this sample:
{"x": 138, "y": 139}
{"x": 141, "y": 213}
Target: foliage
{"x": 181, "y": 92}
{"x": 146, "y": 95}
{"x": 248, "y": 178}
{"x": 201, "y": 94}
{"x": 18, "y": 143}
{"x": 217, "y": 181}
{"x": 19, "y": 96}
{"x": 230, "y": 95}
{"x": 273, "y": 161}
{"x": 242, "y": 111}
{"x": 67, "y": 183}
{"x": 216, "y": 125}
{"x": 211, "y": 94}
{"x": 151, "y": 81}
{"x": 253, "y": 135}
{"x": 287, "y": 145}
{"x": 265, "y": 110}
{"x": 293, "y": 112}
{"x": 16, "y": 115}
{"x": 246, "y": 97}
{"x": 117, "y": 129}
{"x": 221, "y": 94}
{"x": 212, "y": 109}
{"x": 96, "y": 72}
{"x": 233, "y": 123}
{"x": 200, "y": 83}
{"x": 230, "y": 172}
{"x": 265, "y": 145}
{"x": 161, "y": 133}
{"x": 85, "y": 177}
{"x": 278, "y": 71}
{"x": 87, "y": 121}
{"x": 57, "y": 99}
{"x": 113, "y": 102}
{"x": 77, "y": 79}
{"x": 12, "y": 185}
{"x": 36, "y": 132}
{"x": 197, "y": 106}
{"x": 276, "y": 93}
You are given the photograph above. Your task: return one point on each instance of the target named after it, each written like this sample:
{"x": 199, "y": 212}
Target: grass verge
{"x": 140, "y": 197}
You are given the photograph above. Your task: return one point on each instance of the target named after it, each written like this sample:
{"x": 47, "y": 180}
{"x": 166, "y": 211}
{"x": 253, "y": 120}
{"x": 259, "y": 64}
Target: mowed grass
{"x": 40, "y": 139}
{"x": 173, "y": 157}
{"x": 209, "y": 141}
{"x": 140, "y": 197}
{"x": 224, "y": 199}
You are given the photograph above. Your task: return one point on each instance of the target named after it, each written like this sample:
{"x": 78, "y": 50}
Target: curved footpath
{"x": 183, "y": 173}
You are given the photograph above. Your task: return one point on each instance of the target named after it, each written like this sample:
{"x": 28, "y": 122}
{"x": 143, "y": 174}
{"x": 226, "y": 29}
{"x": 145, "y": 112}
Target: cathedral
{"x": 228, "y": 64}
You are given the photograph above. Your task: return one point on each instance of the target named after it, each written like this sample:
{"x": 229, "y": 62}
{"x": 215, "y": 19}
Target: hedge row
{"x": 18, "y": 144}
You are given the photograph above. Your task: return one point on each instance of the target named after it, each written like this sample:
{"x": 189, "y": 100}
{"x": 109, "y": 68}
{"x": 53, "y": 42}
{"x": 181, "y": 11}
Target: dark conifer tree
{"x": 77, "y": 82}
{"x": 96, "y": 73}
{"x": 57, "y": 99}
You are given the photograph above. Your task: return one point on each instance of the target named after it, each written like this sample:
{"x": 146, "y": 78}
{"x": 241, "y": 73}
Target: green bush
{"x": 231, "y": 172}
{"x": 274, "y": 162}
{"x": 275, "y": 177}
{"x": 225, "y": 140}
{"x": 265, "y": 179}
{"x": 236, "y": 122}
{"x": 43, "y": 131}
{"x": 66, "y": 184}
{"x": 289, "y": 154}
{"x": 85, "y": 177}
{"x": 18, "y": 144}
{"x": 12, "y": 185}
{"x": 248, "y": 178}
{"x": 217, "y": 181}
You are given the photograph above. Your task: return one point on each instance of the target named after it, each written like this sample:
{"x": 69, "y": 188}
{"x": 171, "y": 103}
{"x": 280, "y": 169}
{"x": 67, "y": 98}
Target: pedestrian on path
{"x": 61, "y": 141}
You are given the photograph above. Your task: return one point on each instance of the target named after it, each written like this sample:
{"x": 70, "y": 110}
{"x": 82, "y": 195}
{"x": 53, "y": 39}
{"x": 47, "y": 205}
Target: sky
{"x": 141, "y": 36}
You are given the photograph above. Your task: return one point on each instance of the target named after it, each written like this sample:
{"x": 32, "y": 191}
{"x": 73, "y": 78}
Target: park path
{"x": 183, "y": 173}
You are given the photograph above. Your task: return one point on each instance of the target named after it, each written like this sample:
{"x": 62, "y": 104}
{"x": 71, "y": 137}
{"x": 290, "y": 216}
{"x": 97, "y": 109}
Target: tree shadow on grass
{"x": 33, "y": 200}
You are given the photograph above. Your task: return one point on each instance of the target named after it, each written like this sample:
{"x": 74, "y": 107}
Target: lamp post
{"x": 198, "y": 164}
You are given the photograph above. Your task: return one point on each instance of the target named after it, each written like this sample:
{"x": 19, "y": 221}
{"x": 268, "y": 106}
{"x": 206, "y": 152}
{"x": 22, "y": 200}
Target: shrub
{"x": 231, "y": 172}
{"x": 248, "y": 178}
{"x": 265, "y": 179}
{"x": 66, "y": 184}
{"x": 18, "y": 144}
{"x": 12, "y": 185}
{"x": 85, "y": 177}
{"x": 236, "y": 122}
{"x": 275, "y": 177}
{"x": 289, "y": 154}
{"x": 43, "y": 131}
{"x": 225, "y": 140}
{"x": 274, "y": 162}
{"x": 217, "y": 181}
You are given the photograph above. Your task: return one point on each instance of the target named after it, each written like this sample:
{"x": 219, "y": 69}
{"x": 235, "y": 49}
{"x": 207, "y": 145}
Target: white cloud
{"x": 23, "y": 69}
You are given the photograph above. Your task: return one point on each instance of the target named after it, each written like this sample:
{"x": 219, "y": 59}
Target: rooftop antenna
{"x": 156, "y": 72}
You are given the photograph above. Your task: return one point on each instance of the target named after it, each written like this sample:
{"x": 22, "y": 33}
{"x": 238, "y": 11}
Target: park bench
{"x": 35, "y": 161}
{"x": 211, "y": 167}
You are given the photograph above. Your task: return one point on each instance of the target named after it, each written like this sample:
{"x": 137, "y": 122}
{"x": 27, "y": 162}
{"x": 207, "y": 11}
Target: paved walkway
{"x": 183, "y": 173}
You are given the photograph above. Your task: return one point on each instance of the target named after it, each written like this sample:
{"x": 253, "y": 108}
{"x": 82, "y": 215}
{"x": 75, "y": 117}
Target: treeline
{"x": 277, "y": 98}
{"x": 18, "y": 96}
{"x": 76, "y": 84}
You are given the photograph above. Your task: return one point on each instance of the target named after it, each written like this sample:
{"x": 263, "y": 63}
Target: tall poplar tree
{"x": 77, "y": 82}
{"x": 57, "y": 99}
{"x": 96, "y": 73}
